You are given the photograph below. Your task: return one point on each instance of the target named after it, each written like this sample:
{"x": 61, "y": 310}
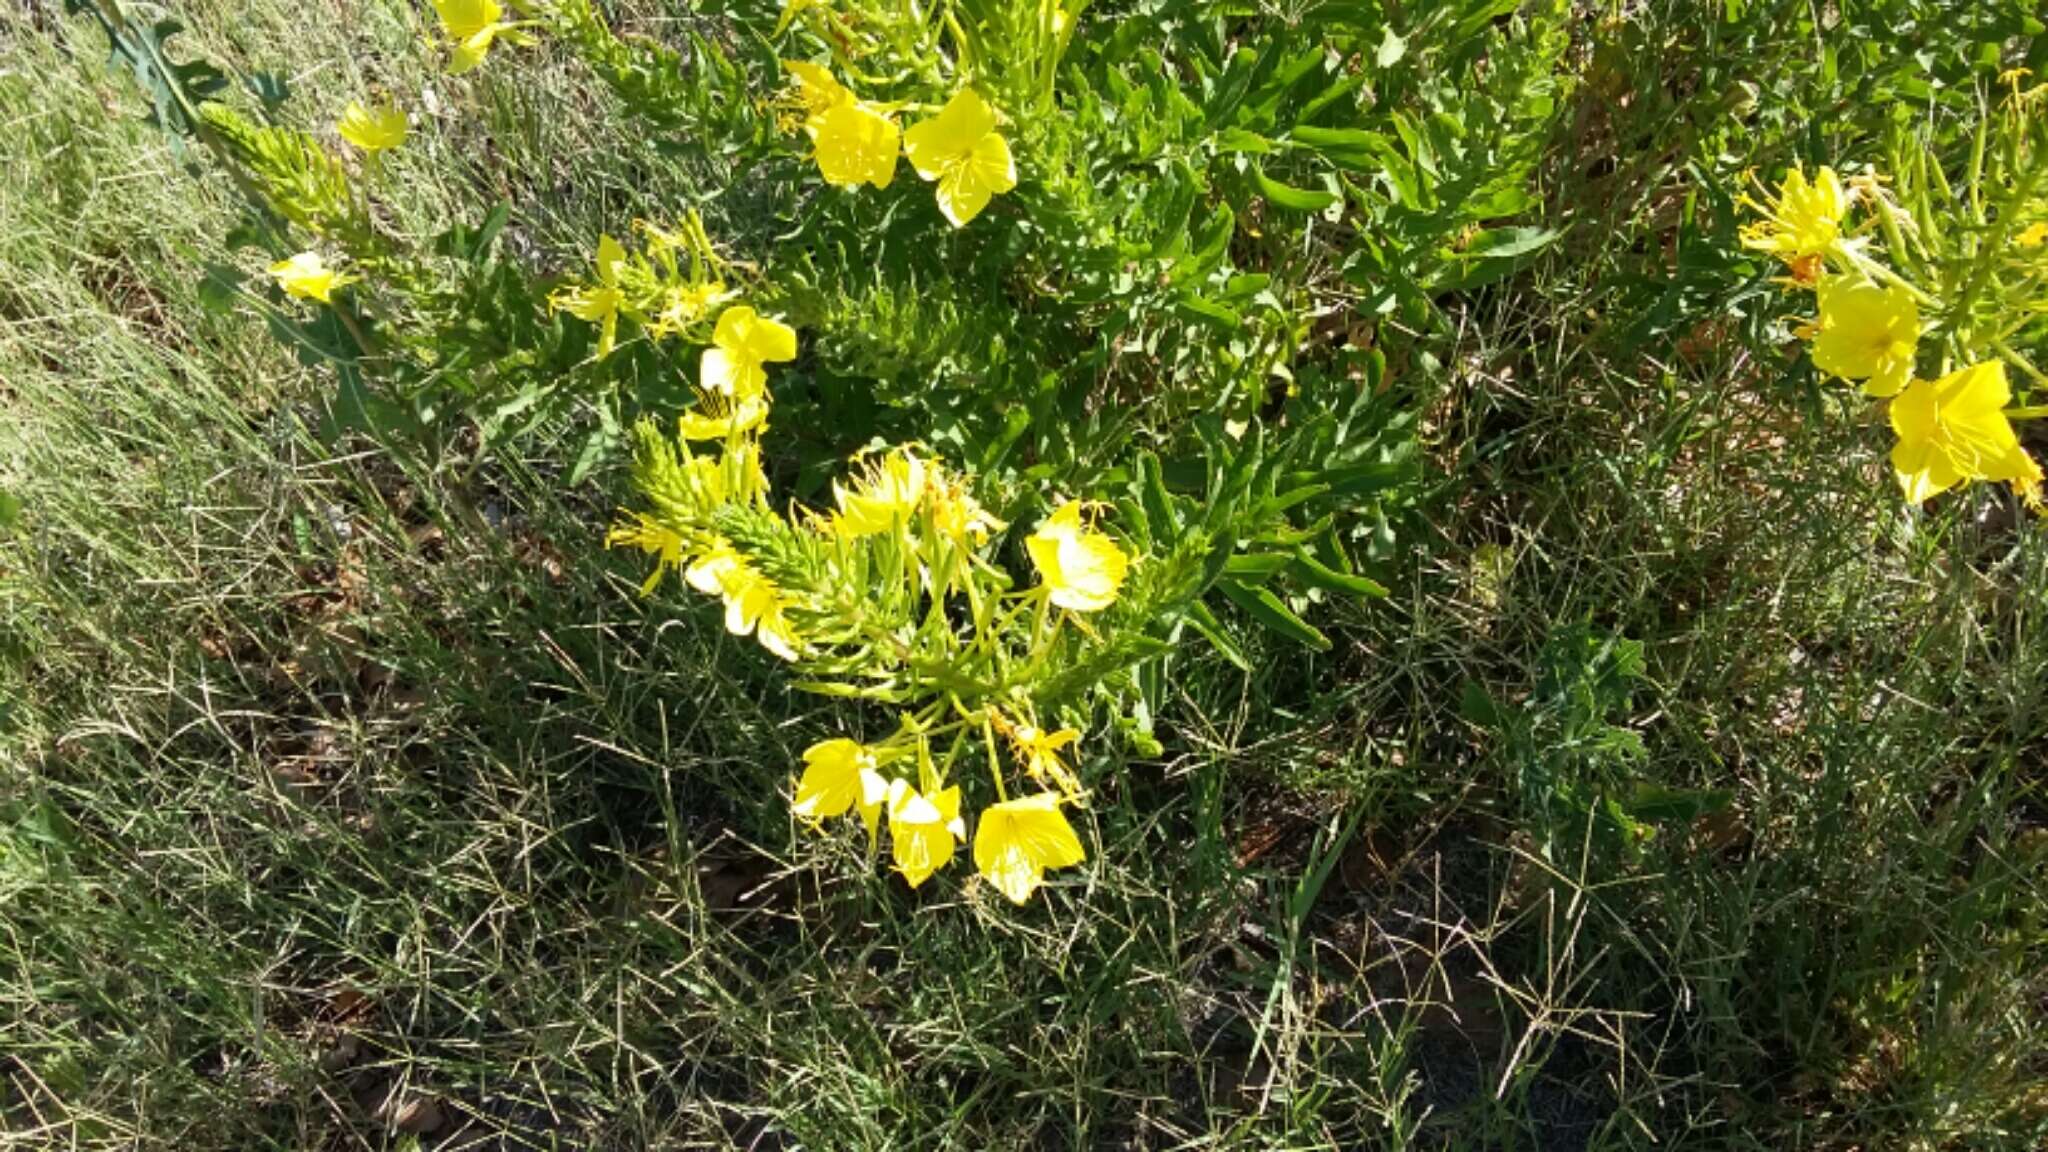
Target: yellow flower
{"x": 753, "y": 604}
{"x": 719, "y": 417}
{"x": 1802, "y": 224}
{"x": 1082, "y": 567}
{"x": 956, "y": 514}
{"x": 839, "y": 775}
{"x": 2033, "y": 235}
{"x": 1040, "y": 752}
{"x": 887, "y": 495}
{"x": 855, "y": 141}
{"x": 856, "y": 144}
{"x": 307, "y": 277}
{"x": 961, "y": 149}
{"x": 817, "y": 90}
{"x": 1955, "y": 429}
{"x": 790, "y": 10}
{"x": 742, "y": 343}
{"x": 1016, "y": 841}
{"x": 923, "y": 829}
{"x": 597, "y": 303}
{"x": 684, "y": 304}
{"x": 372, "y": 129}
{"x": 1867, "y": 333}
{"x": 664, "y": 544}
{"x": 472, "y": 25}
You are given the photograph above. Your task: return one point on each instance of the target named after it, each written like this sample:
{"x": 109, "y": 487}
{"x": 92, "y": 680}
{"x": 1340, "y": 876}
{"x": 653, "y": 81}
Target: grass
{"x": 354, "y": 801}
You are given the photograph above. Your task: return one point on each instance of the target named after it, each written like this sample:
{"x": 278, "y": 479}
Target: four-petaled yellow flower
{"x": 1017, "y": 841}
{"x": 961, "y": 149}
{"x": 1802, "y": 224}
{"x": 307, "y": 277}
{"x": 742, "y": 344}
{"x": 2033, "y": 235}
{"x": 1867, "y": 333}
{"x": 886, "y": 495}
{"x": 598, "y": 303}
{"x": 1083, "y": 568}
{"x": 839, "y": 775}
{"x": 923, "y": 828}
{"x": 372, "y": 129}
{"x": 1955, "y": 429}
{"x": 472, "y": 26}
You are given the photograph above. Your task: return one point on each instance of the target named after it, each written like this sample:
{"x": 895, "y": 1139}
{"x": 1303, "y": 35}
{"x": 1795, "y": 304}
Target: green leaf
{"x": 1203, "y": 310}
{"x": 1268, "y": 610}
{"x": 1204, "y": 621}
{"x": 1315, "y": 574}
{"x": 10, "y": 509}
{"x": 1232, "y": 141}
{"x": 1255, "y": 567}
{"x": 1502, "y": 243}
{"x": 1286, "y": 196}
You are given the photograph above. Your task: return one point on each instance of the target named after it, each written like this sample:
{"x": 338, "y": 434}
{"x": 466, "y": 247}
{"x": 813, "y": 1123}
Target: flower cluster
{"x": 856, "y": 142}
{"x": 670, "y": 288}
{"x": 893, "y": 594}
{"x": 1952, "y": 428}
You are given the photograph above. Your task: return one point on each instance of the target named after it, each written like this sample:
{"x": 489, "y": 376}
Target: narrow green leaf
{"x": 1315, "y": 574}
{"x": 1268, "y": 610}
{"x": 1289, "y": 197}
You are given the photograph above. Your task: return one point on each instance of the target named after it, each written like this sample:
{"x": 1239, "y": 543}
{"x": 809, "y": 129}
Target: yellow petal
{"x": 1018, "y": 841}
{"x": 372, "y": 129}
{"x": 832, "y": 779}
{"x": 934, "y": 144}
{"x": 855, "y": 145}
{"x": 462, "y": 19}
{"x": 754, "y": 337}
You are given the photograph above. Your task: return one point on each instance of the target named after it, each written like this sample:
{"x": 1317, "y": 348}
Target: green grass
{"x": 343, "y": 794}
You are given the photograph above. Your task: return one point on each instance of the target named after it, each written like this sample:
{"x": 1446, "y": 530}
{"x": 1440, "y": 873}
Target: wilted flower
{"x": 646, "y": 534}
{"x": 1040, "y": 752}
{"x": 1802, "y": 223}
{"x": 598, "y": 303}
{"x": 372, "y": 129}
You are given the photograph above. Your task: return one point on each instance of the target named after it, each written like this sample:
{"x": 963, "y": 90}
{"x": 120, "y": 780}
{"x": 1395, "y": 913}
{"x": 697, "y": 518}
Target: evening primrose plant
{"x": 895, "y": 595}
{"x": 1928, "y": 294}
